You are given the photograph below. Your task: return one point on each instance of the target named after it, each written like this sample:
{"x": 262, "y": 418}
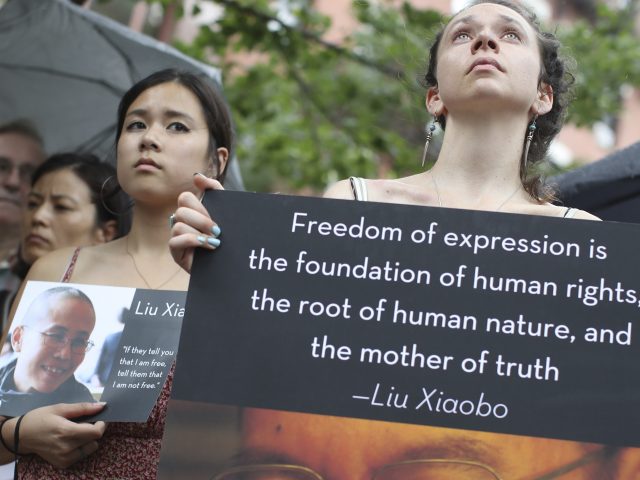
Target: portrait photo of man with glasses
{"x": 280, "y": 445}
{"x": 49, "y": 345}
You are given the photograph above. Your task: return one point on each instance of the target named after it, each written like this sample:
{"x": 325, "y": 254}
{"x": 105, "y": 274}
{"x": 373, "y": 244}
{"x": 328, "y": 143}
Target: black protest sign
{"x": 473, "y": 320}
{"x": 145, "y": 354}
{"x": 70, "y": 345}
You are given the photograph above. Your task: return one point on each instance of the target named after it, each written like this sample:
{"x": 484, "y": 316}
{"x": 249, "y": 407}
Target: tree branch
{"x": 265, "y": 17}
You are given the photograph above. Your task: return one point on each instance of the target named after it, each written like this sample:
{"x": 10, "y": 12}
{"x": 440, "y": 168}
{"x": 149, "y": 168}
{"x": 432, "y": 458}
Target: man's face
{"x": 42, "y": 365}
{"x": 19, "y": 157}
{"x": 353, "y": 449}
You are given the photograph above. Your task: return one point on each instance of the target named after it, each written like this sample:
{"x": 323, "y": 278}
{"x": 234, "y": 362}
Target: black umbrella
{"x": 65, "y": 68}
{"x": 608, "y": 188}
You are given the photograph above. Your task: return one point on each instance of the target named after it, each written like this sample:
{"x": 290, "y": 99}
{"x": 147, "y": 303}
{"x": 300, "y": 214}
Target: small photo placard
{"x": 84, "y": 343}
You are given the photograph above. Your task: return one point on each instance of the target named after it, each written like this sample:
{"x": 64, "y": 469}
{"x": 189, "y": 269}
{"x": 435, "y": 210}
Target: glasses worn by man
{"x": 57, "y": 340}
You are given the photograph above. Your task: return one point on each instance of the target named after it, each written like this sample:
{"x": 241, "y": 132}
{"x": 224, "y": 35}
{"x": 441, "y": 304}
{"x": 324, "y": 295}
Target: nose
{"x": 63, "y": 352}
{"x": 12, "y": 179}
{"x": 485, "y": 41}
{"x": 150, "y": 140}
{"x": 41, "y": 215}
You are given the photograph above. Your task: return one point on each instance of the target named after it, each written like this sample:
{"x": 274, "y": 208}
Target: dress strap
{"x": 359, "y": 189}
{"x": 569, "y": 212}
{"x": 66, "y": 278}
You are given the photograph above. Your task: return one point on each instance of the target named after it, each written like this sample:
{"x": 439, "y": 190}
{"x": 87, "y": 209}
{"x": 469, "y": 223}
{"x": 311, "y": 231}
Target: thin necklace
{"x": 435, "y": 186}
{"x": 135, "y": 265}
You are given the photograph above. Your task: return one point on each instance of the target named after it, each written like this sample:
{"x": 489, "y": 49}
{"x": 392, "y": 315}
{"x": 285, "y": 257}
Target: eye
{"x": 136, "y": 125}
{"x": 56, "y": 337}
{"x": 178, "y": 127}
{"x": 462, "y": 35}
{"x": 78, "y": 344}
{"x": 62, "y": 208}
{"x": 5, "y": 165}
{"x": 512, "y": 35}
{"x": 32, "y": 204}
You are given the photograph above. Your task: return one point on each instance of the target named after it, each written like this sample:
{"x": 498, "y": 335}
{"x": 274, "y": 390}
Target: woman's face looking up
{"x": 488, "y": 52}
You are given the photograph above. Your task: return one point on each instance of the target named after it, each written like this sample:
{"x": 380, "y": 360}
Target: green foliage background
{"x": 308, "y": 112}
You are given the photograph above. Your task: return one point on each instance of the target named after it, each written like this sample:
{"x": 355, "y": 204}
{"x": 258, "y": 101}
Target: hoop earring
{"x": 527, "y": 142}
{"x": 429, "y": 129}
{"x": 115, "y": 192}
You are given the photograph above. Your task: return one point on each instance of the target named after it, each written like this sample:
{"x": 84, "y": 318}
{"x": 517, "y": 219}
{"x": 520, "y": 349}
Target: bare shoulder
{"x": 582, "y": 215}
{"x": 51, "y": 266}
{"x": 551, "y": 210}
{"x": 339, "y": 190}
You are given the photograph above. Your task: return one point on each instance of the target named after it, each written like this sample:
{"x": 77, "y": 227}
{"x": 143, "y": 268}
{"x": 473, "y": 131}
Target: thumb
{"x": 203, "y": 183}
{"x": 75, "y": 410}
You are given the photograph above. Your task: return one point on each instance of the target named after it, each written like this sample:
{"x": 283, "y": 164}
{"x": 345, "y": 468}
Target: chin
{"x": 47, "y": 388}
{"x": 30, "y": 256}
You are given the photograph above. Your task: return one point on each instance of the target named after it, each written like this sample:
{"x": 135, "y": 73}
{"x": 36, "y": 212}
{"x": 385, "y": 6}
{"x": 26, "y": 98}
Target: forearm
{"x": 7, "y": 433}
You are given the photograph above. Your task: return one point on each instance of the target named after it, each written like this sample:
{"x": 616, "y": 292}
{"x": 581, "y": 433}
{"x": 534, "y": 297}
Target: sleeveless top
{"x": 127, "y": 450}
{"x": 359, "y": 189}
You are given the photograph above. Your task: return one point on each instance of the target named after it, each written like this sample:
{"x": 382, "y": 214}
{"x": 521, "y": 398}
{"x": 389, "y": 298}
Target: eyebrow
{"x": 473, "y": 19}
{"x": 56, "y": 196}
{"x": 141, "y": 112}
{"x": 60, "y": 329}
{"x": 453, "y": 448}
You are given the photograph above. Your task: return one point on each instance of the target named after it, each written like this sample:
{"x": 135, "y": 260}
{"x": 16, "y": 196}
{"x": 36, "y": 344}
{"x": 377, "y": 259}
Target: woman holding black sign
{"x": 170, "y": 125}
{"x": 498, "y": 89}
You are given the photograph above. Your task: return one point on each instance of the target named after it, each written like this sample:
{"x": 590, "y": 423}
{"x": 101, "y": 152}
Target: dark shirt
{"x": 107, "y": 356}
{"x": 14, "y": 403}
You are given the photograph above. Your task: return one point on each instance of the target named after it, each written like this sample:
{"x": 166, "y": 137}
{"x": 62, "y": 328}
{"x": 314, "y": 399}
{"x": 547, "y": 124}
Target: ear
{"x": 16, "y": 338}
{"x": 544, "y": 101}
{"x": 223, "y": 159}
{"x": 434, "y": 102}
{"x": 106, "y": 232}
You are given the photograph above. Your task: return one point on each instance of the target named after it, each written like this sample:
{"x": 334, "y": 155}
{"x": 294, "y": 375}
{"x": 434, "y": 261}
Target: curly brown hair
{"x": 555, "y": 72}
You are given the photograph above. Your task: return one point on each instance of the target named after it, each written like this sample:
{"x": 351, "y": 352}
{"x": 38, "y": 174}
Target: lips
{"x": 54, "y": 371}
{"x": 147, "y": 162}
{"x": 484, "y": 63}
{"x": 35, "y": 239}
{"x": 53, "y": 377}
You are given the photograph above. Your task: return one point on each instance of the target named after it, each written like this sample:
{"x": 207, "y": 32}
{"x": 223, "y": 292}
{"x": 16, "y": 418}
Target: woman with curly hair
{"x": 499, "y": 88}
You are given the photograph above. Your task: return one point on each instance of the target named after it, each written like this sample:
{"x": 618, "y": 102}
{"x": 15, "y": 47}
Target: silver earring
{"x": 527, "y": 142}
{"x": 429, "y": 129}
{"x": 105, "y": 197}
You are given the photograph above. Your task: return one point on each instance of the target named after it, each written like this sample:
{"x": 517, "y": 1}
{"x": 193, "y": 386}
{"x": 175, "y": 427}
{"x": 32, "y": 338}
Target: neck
{"x": 9, "y": 241}
{"x": 150, "y": 231}
{"x": 147, "y": 246}
{"x": 479, "y": 162}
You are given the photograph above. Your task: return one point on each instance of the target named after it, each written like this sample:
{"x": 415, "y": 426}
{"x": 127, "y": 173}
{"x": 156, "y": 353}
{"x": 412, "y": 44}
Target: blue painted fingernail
{"x": 214, "y": 242}
{"x": 215, "y": 230}
{"x": 201, "y": 239}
